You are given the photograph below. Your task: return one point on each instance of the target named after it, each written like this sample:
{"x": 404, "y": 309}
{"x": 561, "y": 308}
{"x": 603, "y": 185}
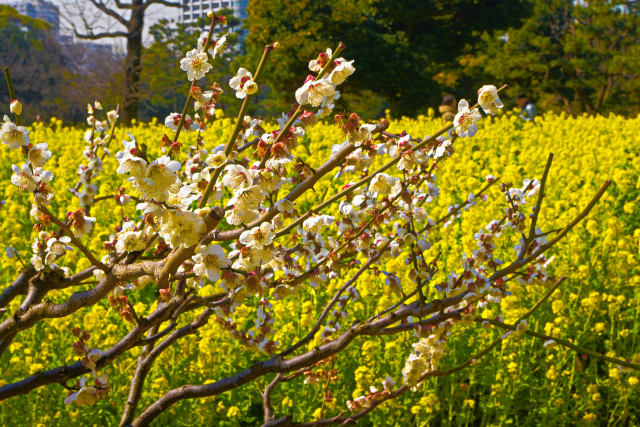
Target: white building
{"x": 194, "y": 9}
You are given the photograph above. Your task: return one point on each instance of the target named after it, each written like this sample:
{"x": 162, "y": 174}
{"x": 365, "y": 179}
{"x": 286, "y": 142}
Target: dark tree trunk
{"x": 133, "y": 67}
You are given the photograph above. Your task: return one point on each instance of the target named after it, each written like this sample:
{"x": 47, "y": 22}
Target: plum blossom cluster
{"x": 374, "y": 395}
{"x": 85, "y": 392}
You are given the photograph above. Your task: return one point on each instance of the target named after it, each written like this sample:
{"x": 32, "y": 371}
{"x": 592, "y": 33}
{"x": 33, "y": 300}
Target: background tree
{"x": 99, "y": 14}
{"x": 36, "y": 60}
{"x": 577, "y": 57}
{"x": 406, "y": 50}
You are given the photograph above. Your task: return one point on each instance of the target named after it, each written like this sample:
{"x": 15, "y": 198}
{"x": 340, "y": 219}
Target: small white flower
{"x": 465, "y": 120}
{"x": 39, "y": 155}
{"x": 315, "y": 92}
{"x": 13, "y": 135}
{"x": 247, "y": 198}
{"x": 208, "y": 262}
{"x": 112, "y": 116}
{"x": 243, "y": 83}
{"x": 195, "y": 64}
{"x": 517, "y": 196}
{"x": 129, "y": 162}
{"x": 285, "y": 206}
{"x": 215, "y": 47}
{"x": 488, "y": 99}
{"x": 315, "y": 223}
{"x": 385, "y": 184}
{"x": 58, "y": 246}
{"x": 160, "y": 179}
{"x": 82, "y": 225}
{"x": 238, "y": 177}
{"x": 258, "y": 237}
{"x": 23, "y": 178}
{"x": 173, "y": 120}
{"x": 237, "y": 216}
{"x": 342, "y": 70}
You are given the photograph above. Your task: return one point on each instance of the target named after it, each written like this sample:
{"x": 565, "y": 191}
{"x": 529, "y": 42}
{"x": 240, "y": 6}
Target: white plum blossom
{"x": 315, "y": 92}
{"x": 39, "y": 155}
{"x": 181, "y": 228}
{"x": 488, "y": 99}
{"x": 530, "y": 188}
{"x": 57, "y": 246}
{"x": 160, "y": 179}
{"x": 195, "y": 64}
{"x": 383, "y": 183}
{"x": 238, "y": 177}
{"x": 215, "y": 47}
{"x": 112, "y": 116}
{"x": 209, "y": 261}
{"x": 247, "y": 198}
{"x": 342, "y": 70}
{"x": 258, "y": 237}
{"x": 517, "y": 196}
{"x": 82, "y": 225}
{"x": 13, "y": 135}
{"x": 285, "y": 206}
{"x": 129, "y": 239}
{"x": 27, "y": 180}
{"x": 316, "y": 222}
{"x": 315, "y": 65}
{"x": 243, "y": 83}
{"x": 173, "y": 120}
{"x": 23, "y": 178}
{"x": 129, "y": 162}
{"x": 465, "y": 120}
{"x": 237, "y": 216}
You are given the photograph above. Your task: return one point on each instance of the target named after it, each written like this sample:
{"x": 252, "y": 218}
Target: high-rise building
{"x": 194, "y": 9}
{"x": 40, "y": 9}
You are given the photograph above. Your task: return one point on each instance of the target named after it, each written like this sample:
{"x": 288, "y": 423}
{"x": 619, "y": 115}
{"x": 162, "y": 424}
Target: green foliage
{"x": 572, "y": 57}
{"x": 404, "y": 50}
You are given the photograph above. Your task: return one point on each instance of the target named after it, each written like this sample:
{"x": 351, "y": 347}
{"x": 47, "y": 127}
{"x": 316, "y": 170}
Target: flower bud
{"x": 210, "y": 14}
{"x": 16, "y": 107}
{"x": 276, "y": 45}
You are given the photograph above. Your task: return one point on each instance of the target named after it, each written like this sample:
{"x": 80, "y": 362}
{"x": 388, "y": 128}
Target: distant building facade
{"x": 40, "y": 9}
{"x": 194, "y": 9}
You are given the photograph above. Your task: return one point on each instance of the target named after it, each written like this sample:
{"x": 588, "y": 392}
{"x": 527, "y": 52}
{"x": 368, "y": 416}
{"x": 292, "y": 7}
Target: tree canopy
{"x": 404, "y": 50}
{"x": 571, "y": 56}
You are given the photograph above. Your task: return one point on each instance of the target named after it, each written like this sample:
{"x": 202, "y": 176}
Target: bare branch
{"x": 99, "y": 4}
{"x": 161, "y": 2}
{"x": 104, "y": 35}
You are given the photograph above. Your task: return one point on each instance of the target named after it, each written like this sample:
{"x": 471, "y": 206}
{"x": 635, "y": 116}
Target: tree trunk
{"x": 133, "y": 68}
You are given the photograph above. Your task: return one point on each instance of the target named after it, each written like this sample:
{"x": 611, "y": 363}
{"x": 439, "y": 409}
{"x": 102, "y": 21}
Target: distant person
{"x": 448, "y": 108}
{"x": 527, "y": 107}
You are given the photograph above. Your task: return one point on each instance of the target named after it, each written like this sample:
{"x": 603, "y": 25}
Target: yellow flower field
{"x": 520, "y": 383}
